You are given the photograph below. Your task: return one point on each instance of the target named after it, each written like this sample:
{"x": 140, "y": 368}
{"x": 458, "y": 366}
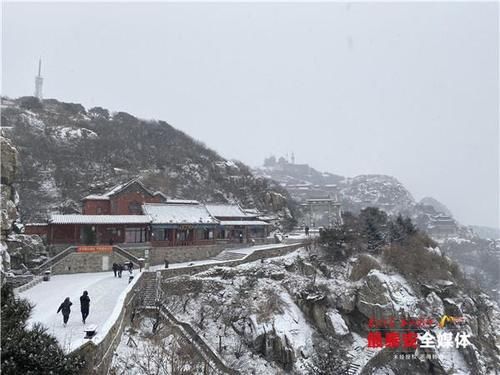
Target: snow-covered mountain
{"x": 372, "y": 190}
{"x": 67, "y": 152}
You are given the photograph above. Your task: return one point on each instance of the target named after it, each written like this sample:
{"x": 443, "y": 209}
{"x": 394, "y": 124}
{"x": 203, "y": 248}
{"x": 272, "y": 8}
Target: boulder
{"x": 9, "y": 165}
{"x": 23, "y": 248}
{"x": 451, "y": 307}
{"x": 346, "y": 301}
{"x": 8, "y": 216}
{"x": 272, "y": 347}
{"x": 434, "y": 304}
{"x": 383, "y": 296}
{"x": 5, "y": 257}
{"x": 336, "y": 323}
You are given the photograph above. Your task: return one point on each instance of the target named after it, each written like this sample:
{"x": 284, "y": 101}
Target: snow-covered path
{"x": 104, "y": 290}
{"x": 244, "y": 251}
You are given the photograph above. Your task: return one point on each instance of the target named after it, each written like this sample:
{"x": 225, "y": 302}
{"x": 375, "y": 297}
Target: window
{"x": 159, "y": 234}
{"x": 208, "y": 234}
{"x": 135, "y": 235}
{"x": 183, "y": 235}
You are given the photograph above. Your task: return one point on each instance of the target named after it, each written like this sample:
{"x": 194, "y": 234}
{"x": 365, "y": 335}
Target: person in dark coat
{"x": 84, "y": 305}
{"x": 120, "y": 270}
{"x": 115, "y": 268}
{"x": 166, "y": 263}
{"x": 130, "y": 266}
{"x": 65, "y": 308}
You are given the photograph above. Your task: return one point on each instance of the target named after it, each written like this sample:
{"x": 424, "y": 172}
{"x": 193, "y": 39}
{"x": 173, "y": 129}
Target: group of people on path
{"x": 65, "y": 307}
{"x": 118, "y": 268}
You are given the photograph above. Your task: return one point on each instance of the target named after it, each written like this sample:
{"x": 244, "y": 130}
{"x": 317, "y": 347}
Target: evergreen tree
{"x": 374, "y": 227}
{"x": 30, "y": 350}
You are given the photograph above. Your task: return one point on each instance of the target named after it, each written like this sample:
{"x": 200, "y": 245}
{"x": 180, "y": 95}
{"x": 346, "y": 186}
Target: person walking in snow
{"x": 115, "y": 268}
{"x": 65, "y": 308}
{"x": 120, "y": 270}
{"x": 84, "y": 305}
{"x": 166, "y": 263}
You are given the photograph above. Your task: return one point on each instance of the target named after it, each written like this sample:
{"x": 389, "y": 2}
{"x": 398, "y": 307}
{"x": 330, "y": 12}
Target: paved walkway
{"x": 104, "y": 290}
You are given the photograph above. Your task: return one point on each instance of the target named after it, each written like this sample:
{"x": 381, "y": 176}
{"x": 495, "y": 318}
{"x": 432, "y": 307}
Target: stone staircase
{"x": 211, "y": 358}
{"x": 149, "y": 290}
{"x": 150, "y": 300}
{"x": 355, "y": 366}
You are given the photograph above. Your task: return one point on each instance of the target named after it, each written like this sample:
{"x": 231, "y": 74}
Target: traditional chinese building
{"x": 442, "y": 226}
{"x": 124, "y": 199}
{"x": 237, "y": 224}
{"x": 132, "y": 215}
{"x": 180, "y": 223}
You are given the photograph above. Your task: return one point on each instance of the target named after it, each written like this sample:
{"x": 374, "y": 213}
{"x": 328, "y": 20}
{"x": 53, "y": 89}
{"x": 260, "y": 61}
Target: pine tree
{"x": 30, "y": 350}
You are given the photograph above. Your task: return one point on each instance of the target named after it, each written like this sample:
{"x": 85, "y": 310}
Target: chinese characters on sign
{"x": 420, "y": 333}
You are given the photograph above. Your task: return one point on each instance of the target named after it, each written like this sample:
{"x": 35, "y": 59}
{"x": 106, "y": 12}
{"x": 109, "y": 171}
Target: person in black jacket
{"x": 115, "y": 268}
{"x": 66, "y": 310}
{"x": 84, "y": 305}
{"x": 120, "y": 270}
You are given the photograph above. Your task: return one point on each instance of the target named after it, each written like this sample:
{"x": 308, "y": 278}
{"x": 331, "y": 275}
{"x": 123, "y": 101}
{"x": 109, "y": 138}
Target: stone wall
{"x": 87, "y": 262}
{"x": 178, "y": 254}
{"x": 256, "y": 255}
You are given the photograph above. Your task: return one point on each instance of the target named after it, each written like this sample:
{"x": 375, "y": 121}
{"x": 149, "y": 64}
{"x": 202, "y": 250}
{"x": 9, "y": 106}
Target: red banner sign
{"x": 95, "y": 249}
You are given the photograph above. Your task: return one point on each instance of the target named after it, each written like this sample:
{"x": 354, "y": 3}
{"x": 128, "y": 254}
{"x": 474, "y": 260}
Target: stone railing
{"x": 275, "y": 251}
{"x": 55, "y": 259}
{"x": 127, "y": 255}
{"x": 204, "y": 350}
{"x": 36, "y": 280}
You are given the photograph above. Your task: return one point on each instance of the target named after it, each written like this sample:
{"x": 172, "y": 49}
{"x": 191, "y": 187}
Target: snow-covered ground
{"x": 104, "y": 292}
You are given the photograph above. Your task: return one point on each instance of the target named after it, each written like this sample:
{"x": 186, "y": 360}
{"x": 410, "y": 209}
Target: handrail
{"x": 58, "y": 257}
{"x": 126, "y": 254}
{"x": 198, "y": 340}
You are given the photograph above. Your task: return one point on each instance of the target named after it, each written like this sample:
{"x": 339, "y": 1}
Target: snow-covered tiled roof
{"x": 251, "y": 212}
{"x": 116, "y": 189}
{"x": 243, "y": 222}
{"x": 225, "y": 210}
{"x": 96, "y": 197}
{"x": 160, "y": 194}
{"x": 99, "y": 219}
{"x": 182, "y": 201}
{"x": 165, "y": 213}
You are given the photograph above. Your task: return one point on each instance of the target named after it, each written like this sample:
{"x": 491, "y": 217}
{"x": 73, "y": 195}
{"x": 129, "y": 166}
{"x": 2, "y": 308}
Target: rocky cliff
{"x": 16, "y": 249}
{"x": 306, "y": 314}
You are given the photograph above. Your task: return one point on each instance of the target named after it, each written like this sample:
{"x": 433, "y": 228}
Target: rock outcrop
{"x": 9, "y": 215}
{"x": 383, "y": 296}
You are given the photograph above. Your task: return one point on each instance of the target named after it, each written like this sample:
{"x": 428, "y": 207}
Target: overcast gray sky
{"x": 406, "y": 89}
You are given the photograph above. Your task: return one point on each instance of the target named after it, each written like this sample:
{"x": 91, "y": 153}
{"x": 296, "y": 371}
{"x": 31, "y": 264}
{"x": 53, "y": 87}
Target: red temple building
{"x": 132, "y": 215}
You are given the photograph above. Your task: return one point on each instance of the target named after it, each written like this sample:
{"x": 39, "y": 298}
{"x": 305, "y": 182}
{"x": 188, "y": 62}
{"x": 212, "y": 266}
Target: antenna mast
{"x": 39, "y": 81}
